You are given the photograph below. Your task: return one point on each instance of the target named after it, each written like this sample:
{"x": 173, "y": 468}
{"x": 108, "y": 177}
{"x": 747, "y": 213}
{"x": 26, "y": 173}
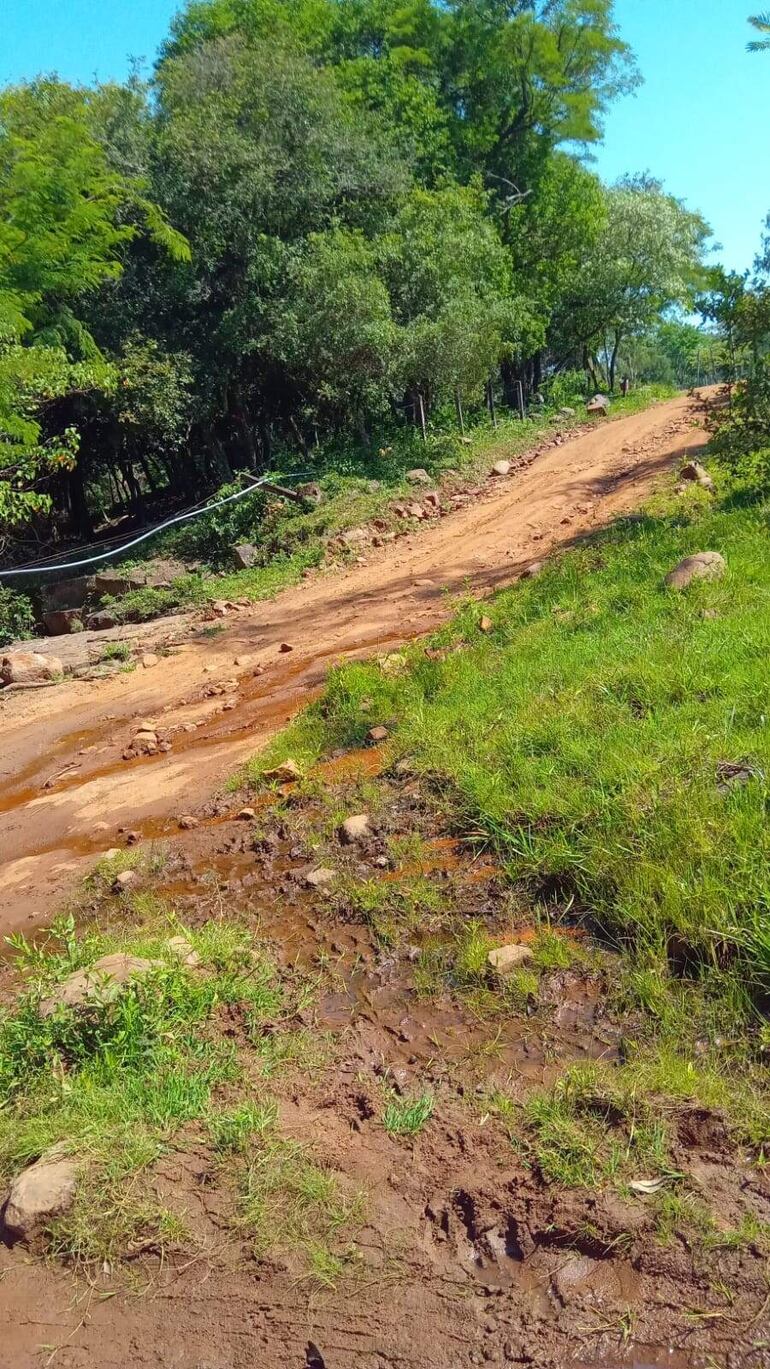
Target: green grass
{"x": 117, "y": 1080}
{"x": 116, "y": 651}
{"x": 408, "y": 1116}
{"x": 291, "y": 1205}
{"x": 583, "y": 741}
{"x": 584, "y": 735}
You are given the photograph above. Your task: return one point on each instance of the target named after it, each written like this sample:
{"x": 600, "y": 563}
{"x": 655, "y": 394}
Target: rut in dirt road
{"x": 66, "y": 789}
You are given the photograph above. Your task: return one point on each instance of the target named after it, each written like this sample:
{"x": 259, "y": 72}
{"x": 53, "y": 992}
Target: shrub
{"x": 16, "y": 616}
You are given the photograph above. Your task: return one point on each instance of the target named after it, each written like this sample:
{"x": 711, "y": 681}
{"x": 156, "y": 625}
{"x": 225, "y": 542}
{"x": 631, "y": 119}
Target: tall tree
{"x": 761, "y": 22}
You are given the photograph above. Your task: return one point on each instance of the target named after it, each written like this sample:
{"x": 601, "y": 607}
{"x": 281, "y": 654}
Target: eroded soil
{"x": 64, "y": 787}
{"x": 463, "y": 1253}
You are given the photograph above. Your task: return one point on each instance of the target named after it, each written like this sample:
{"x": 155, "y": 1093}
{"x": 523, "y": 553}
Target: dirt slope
{"x": 64, "y": 787}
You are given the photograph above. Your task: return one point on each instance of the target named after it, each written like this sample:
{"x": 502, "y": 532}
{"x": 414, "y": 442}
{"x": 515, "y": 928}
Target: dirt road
{"x": 65, "y": 788}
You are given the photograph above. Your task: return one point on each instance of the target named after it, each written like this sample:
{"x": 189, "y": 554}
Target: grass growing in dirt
{"x": 608, "y": 741}
{"x": 118, "y": 1079}
{"x": 408, "y": 1116}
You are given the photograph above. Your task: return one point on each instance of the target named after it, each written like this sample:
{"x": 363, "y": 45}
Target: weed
{"x": 117, "y": 1077}
{"x": 407, "y": 1117}
{"x": 289, "y": 1204}
{"x": 116, "y": 651}
{"x": 233, "y": 1132}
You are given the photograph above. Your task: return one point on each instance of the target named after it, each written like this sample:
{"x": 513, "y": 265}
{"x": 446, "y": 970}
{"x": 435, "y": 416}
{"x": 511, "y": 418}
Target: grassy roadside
{"x": 355, "y": 490}
{"x": 186, "y": 1056}
{"x": 608, "y": 740}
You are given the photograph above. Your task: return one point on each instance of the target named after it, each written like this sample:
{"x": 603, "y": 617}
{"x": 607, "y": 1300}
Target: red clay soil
{"x": 65, "y": 789}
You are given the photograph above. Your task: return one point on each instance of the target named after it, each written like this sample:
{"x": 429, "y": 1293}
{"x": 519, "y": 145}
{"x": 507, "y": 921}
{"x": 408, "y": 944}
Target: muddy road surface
{"x": 66, "y": 787}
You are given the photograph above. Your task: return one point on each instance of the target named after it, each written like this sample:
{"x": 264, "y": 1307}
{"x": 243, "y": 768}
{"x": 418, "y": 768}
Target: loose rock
{"x": 41, "y": 1192}
{"x": 693, "y": 471}
{"x": 29, "y": 667}
{"x": 287, "y": 771}
{"x": 149, "y": 659}
{"x": 244, "y": 555}
{"x": 354, "y": 829}
{"x": 377, "y": 734}
{"x": 485, "y": 624}
{"x": 105, "y": 980}
{"x": 247, "y": 815}
{"x": 124, "y": 881}
{"x": 284, "y": 647}
{"x": 418, "y": 476}
{"x": 504, "y": 959}
{"x": 182, "y": 951}
{"x": 501, "y": 468}
{"x": 705, "y": 565}
{"x": 188, "y": 823}
{"x": 318, "y": 879}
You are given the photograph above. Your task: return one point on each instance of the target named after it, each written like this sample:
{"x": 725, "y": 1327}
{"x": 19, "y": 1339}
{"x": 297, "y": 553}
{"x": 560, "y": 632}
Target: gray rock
{"x": 598, "y": 405}
{"x": 705, "y": 565}
{"x": 320, "y": 878}
{"x": 101, "y": 621}
{"x": 105, "y": 980}
{"x": 354, "y": 829}
{"x": 40, "y": 1193}
{"x": 182, "y": 951}
{"x": 418, "y": 476}
{"x": 28, "y": 667}
{"x": 501, "y": 468}
{"x": 694, "y": 472}
{"x": 244, "y": 555}
{"x": 66, "y": 594}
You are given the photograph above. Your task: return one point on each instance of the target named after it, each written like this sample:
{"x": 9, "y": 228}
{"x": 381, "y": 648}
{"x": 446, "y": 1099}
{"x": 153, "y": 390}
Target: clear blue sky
{"x": 700, "y": 122}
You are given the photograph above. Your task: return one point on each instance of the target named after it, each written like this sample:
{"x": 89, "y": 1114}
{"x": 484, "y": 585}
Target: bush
{"x": 16, "y": 617}
{"x": 566, "y": 390}
{"x": 212, "y": 536}
{"x": 741, "y": 433}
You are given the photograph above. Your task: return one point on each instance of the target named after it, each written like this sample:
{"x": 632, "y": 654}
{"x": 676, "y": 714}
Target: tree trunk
{"x": 614, "y": 361}
{"x": 80, "y": 516}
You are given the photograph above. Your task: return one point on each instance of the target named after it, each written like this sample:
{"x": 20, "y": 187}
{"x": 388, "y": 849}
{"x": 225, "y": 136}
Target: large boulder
{"x": 40, "y": 1193}
{"x": 66, "y": 593}
{"x": 61, "y": 621}
{"x": 29, "y": 667}
{"x": 705, "y": 565}
{"x": 104, "y": 980}
{"x": 245, "y": 555}
{"x": 114, "y": 583}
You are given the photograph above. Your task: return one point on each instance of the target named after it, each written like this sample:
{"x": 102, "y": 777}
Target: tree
{"x": 646, "y": 259}
{"x": 761, "y": 22}
{"x": 449, "y": 280}
{"x": 65, "y": 218}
